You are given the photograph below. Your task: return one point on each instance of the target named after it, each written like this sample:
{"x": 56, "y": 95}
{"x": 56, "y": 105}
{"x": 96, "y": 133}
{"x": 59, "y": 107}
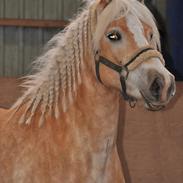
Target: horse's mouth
{"x": 153, "y": 107}
{"x": 150, "y": 105}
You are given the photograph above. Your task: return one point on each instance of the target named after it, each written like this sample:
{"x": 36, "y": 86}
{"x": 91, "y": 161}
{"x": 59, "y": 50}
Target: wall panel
{"x": 20, "y": 46}
{"x": 1, "y": 40}
{"x": 11, "y": 9}
{"x": 10, "y": 51}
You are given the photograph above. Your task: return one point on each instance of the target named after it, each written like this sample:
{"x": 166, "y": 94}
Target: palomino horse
{"x": 63, "y": 129}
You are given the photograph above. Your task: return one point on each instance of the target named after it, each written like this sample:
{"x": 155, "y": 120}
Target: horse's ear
{"x": 142, "y": 1}
{"x": 103, "y": 4}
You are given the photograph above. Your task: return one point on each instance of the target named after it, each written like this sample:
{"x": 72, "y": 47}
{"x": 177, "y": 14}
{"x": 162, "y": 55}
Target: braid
{"x": 58, "y": 73}
{"x": 57, "y": 89}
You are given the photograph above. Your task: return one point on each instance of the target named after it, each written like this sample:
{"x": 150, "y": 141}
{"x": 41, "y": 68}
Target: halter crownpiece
{"x": 138, "y": 58}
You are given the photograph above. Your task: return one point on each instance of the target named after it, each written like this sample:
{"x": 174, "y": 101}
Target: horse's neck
{"x": 95, "y": 110}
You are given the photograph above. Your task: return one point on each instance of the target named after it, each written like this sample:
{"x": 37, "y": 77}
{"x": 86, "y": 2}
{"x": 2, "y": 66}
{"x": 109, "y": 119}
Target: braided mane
{"x": 59, "y": 68}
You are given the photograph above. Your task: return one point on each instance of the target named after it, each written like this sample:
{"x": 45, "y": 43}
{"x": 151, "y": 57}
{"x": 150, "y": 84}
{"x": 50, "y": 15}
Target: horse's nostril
{"x": 156, "y": 88}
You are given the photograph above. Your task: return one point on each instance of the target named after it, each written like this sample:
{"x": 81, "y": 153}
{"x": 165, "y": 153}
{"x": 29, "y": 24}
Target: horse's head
{"x": 126, "y": 41}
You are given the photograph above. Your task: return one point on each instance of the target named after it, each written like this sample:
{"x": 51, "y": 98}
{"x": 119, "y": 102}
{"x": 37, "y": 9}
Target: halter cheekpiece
{"x": 124, "y": 70}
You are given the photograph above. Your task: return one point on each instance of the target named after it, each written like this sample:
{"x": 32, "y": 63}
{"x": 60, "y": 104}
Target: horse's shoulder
{"x": 8, "y": 116}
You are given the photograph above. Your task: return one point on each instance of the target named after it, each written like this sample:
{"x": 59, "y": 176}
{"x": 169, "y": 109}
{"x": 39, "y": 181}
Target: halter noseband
{"x": 123, "y": 70}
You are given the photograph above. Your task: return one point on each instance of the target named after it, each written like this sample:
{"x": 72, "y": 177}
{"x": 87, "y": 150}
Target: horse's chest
{"x": 53, "y": 163}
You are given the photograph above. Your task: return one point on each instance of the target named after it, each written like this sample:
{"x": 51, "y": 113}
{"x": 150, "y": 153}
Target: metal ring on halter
{"x": 124, "y": 72}
{"x": 133, "y": 103}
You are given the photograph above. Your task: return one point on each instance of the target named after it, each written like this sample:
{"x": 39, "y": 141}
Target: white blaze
{"x": 136, "y": 28}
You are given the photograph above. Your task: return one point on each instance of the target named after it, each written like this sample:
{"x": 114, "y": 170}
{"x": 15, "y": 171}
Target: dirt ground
{"x": 150, "y": 143}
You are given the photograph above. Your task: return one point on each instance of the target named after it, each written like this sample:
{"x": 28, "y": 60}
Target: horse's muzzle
{"x": 159, "y": 93}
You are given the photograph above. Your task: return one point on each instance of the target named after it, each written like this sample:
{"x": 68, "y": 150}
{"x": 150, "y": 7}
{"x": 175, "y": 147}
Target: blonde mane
{"x": 60, "y": 66}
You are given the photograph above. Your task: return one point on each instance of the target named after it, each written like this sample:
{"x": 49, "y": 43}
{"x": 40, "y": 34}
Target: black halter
{"x": 122, "y": 70}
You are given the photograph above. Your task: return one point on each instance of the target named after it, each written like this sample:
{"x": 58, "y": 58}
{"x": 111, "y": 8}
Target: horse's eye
{"x": 114, "y": 36}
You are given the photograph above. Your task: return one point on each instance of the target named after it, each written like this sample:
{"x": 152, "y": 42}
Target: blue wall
{"x": 175, "y": 30}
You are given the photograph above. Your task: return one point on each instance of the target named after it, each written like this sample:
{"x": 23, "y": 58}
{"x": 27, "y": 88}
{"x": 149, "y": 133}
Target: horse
{"x": 64, "y": 126}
